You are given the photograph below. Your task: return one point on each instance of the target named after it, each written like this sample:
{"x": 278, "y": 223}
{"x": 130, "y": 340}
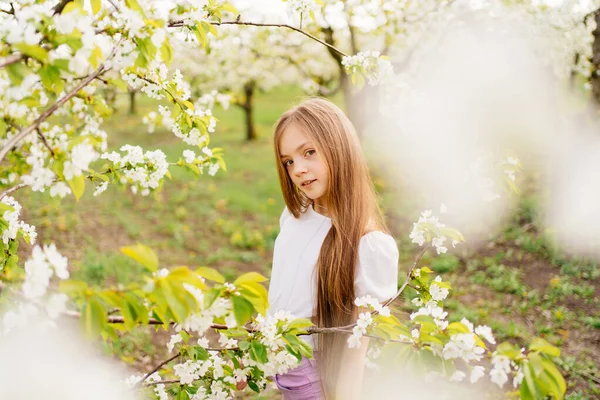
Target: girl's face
{"x": 304, "y": 166}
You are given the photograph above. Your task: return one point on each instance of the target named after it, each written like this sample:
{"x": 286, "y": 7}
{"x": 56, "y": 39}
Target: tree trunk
{"x": 361, "y": 105}
{"x": 132, "y": 108}
{"x": 595, "y": 79}
{"x": 248, "y": 106}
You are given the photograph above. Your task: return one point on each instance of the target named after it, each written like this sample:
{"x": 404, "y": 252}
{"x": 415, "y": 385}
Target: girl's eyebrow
{"x": 297, "y": 148}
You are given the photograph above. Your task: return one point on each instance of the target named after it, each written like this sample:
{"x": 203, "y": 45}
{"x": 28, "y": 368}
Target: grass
{"x": 522, "y": 286}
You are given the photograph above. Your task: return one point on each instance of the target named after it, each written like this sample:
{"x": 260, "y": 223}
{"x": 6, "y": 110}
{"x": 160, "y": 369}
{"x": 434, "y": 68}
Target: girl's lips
{"x": 309, "y": 183}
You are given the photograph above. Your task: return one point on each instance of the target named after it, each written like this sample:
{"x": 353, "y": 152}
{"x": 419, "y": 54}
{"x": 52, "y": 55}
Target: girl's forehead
{"x": 291, "y": 138}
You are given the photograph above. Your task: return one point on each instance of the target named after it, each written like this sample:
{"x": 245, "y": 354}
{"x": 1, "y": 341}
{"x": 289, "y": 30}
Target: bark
{"x": 595, "y": 79}
{"x": 248, "y": 106}
{"x": 132, "y": 107}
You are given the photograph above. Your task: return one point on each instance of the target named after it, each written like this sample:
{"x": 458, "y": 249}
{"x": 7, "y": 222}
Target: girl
{"x": 333, "y": 245}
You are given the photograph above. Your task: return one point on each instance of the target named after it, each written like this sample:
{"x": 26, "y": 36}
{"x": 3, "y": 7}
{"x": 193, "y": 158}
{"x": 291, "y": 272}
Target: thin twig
{"x": 407, "y": 280}
{"x": 12, "y": 189}
{"x": 161, "y": 382}
{"x": 41, "y": 135}
{"x": 180, "y": 23}
{"x": 159, "y": 366}
{"x": 13, "y": 58}
{"x": 114, "y": 5}
{"x": 12, "y": 142}
{"x": 310, "y": 331}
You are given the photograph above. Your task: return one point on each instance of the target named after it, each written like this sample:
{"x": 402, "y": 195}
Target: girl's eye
{"x": 310, "y": 152}
{"x": 287, "y": 163}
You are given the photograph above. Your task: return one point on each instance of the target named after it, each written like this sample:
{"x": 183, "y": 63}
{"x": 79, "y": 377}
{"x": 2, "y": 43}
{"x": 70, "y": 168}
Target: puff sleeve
{"x": 377, "y": 268}
{"x": 284, "y": 215}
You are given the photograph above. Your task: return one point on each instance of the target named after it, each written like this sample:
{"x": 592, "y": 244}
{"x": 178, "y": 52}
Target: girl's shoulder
{"x": 376, "y": 242}
{"x": 377, "y": 268}
{"x": 284, "y": 215}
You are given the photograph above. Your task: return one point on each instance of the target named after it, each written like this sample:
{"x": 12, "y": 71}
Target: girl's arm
{"x": 352, "y": 366}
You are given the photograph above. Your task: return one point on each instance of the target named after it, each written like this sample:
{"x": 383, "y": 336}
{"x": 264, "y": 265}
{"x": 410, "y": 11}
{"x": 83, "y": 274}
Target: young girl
{"x": 333, "y": 245}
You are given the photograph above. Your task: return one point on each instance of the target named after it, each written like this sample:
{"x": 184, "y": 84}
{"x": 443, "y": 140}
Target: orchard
{"x": 201, "y": 71}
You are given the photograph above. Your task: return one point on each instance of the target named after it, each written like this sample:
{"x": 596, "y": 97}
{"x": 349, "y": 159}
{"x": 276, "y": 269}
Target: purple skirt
{"x": 301, "y": 383}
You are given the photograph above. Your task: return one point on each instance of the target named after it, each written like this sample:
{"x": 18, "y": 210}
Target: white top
{"x": 293, "y": 285}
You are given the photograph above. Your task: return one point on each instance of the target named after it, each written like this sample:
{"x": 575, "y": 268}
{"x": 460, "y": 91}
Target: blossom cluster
{"x": 365, "y": 318}
{"x": 12, "y": 225}
{"x": 301, "y": 9}
{"x": 429, "y": 228}
{"x": 501, "y": 367}
{"x": 44, "y": 263}
{"x": 370, "y": 63}
{"x": 272, "y": 327}
{"x": 144, "y": 171}
{"x": 159, "y": 389}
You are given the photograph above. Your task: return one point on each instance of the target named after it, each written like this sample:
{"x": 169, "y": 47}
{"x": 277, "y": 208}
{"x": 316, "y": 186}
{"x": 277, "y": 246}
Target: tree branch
{"x": 61, "y": 6}
{"x": 159, "y": 366}
{"x": 41, "y": 135}
{"x": 174, "y": 24}
{"x": 13, "y": 58}
{"x": 12, "y": 142}
{"x": 310, "y": 331}
{"x": 12, "y": 189}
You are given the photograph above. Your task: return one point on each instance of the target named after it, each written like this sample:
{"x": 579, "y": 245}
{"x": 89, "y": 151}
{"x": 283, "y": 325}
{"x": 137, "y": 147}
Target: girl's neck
{"x": 320, "y": 209}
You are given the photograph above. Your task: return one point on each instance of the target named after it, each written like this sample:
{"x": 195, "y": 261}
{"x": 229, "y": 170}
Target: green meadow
{"x": 518, "y": 282}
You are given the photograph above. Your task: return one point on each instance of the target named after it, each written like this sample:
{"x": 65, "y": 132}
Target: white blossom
{"x": 476, "y": 373}
{"x": 438, "y": 293}
{"x": 485, "y": 332}
{"x": 173, "y": 341}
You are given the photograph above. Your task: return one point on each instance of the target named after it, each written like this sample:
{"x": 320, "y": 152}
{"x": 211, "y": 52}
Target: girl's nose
{"x": 300, "y": 169}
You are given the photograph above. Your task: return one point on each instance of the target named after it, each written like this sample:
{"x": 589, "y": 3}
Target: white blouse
{"x": 293, "y": 285}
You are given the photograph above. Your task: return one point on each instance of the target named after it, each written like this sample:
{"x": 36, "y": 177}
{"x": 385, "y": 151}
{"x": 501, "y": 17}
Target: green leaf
{"x": 183, "y": 394}
{"x": 457, "y": 327}
{"x": 50, "y": 76}
{"x": 93, "y": 318}
{"x": 256, "y": 294}
{"x": 424, "y": 319}
{"x": 509, "y": 350}
{"x": 142, "y": 254}
{"x": 299, "y": 325}
{"x": 111, "y": 298}
{"x": 70, "y": 7}
{"x": 199, "y": 353}
{"x": 134, "y": 5}
{"x": 528, "y": 388}
{"x": 258, "y": 352}
{"x": 77, "y": 185}
{"x": 556, "y": 376}
{"x": 211, "y": 295}
{"x": 242, "y": 309}
{"x": 542, "y": 346}
{"x": 96, "y": 6}
{"x": 129, "y": 314}
{"x": 452, "y": 234}
{"x": 166, "y": 52}
{"x": 244, "y": 345}
{"x": 16, "y": 73}
{"x": 200, "y": 34}
{"x": 229, "y": 7}
{"x": 253, "y": 386}
{"x": 178, "y": 306}
{"x": 34, "y": 51}
{"x": 298, "y": 344}
{"x": 249, "y": 277}
{"x": 210, "y": 274}
{"x": 5, "y": 207}
{"x": 73, "y": 288}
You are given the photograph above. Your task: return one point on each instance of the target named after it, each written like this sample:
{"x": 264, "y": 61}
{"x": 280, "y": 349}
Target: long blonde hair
{"x": 352, "y": 206}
